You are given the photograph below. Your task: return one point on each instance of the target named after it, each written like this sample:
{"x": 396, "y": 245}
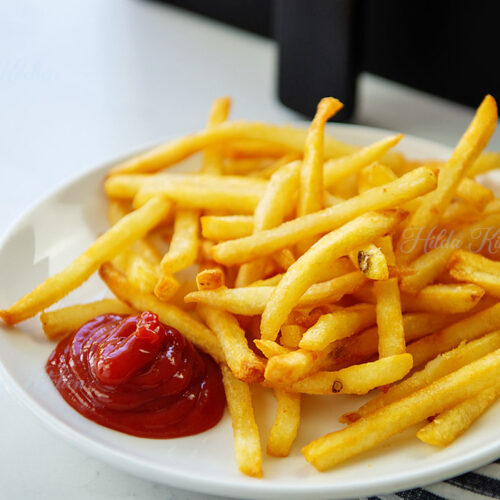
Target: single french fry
{"x": 166, "y": 287}
{"x": 372, "y": 430}
{"x": 466, "y": 329}
{"x": 374, "y": 175}
{"x": 270, "y": 348}
{"x": 308, "y": 268}
{"x": 212, "y": 158}
{"x": 226, "y": 227}
{"x": 452, "y": 423}
{"x": 286, "y": 424}
{"x": 106, "y": 247}
{"x": 184, "y": 245}
{"x": 335, "y": 170}
{"x": 210, "y": 278}
{"x": 193, "y": 330}
{"x": 476, "y": 269}
{"x": 252, "y": 300}
{"x": 246, "y": 434}
{"x": 430, "y": 265}
{"x": 269, "y": 213}
{"x": 59, "y": 323}
{"x": 476, "y": 194}
{"x": 242, "y": 361}
{"x": 441, "y": 365}
{"x": 337, "y": 325}
{"x": 355, "y": 379}
{"x": 176, "y": 150}
{"x": 285, "y": 369}
{"x": 311, "y": 170}
{"x": 452, "y": 298}
{"x": 372, "y": 262}
{"x": 466, "y": 152}
{"x": 391, "y": 335}
{"x": 413, "y": 184}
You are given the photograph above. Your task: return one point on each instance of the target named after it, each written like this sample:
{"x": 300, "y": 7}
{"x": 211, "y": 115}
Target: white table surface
{"x": 84, "y": 81}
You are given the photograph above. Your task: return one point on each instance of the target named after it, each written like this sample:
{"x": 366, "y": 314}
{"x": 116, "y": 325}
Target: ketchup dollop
{"x": 138, "y": 376}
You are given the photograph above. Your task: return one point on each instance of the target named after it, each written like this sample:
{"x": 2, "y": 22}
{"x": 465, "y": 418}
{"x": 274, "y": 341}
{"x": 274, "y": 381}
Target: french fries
{"x": 323, "y": 269}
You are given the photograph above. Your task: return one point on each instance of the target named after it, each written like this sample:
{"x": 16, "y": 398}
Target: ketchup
{"x": 138, "y": 376}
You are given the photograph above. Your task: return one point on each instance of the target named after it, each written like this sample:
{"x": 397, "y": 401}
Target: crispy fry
{"x": 193, "y": 330}
{"x": 212, "y": 158}
{"x": 468, "y": 149}
{"x": 311, "y": 170}
{"x": 451, "y": 298}
{"x": 62, "y": 322}
{"x": 356, "y": 379}
{"x": 372, "y": 430}
{"x": 451, "y": 424}
{"x": 242, "y": 361}
{"x": 391, "y": 335}
{"x": 372, "y": 262}
{"x": 210, "y": 278}
{"x": 106, "y": 247}
{"x": 438, "y": 367}
{"x": 308, "y": 268}
{"x": 174, "y": 151}
{"x": 240, "y": 250}
{"x": 246, "y": 434}
{"x": 341, "y": 168}
{"x": 286, "y": 424}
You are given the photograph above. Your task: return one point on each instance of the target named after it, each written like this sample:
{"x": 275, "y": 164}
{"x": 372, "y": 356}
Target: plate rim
{"x": 188, "y": 480}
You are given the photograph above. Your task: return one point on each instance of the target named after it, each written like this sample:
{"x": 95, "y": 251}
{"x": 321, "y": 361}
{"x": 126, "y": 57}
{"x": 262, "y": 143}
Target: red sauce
{"x": 138, "y": 376}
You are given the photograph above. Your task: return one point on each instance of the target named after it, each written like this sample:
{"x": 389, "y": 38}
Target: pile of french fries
{"x": 323, "y": 268}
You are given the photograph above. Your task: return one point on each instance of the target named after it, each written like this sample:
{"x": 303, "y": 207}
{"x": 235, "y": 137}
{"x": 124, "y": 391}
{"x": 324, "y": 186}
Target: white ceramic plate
{"x": 58, "y": 228}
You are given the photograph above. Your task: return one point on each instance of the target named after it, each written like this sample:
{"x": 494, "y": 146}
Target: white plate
{"x": 58, "y": 228}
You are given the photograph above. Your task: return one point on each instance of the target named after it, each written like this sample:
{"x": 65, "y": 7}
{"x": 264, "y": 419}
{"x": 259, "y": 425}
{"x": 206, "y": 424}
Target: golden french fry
{"x": 269, "y": 213}
{"x": 450, "y": 298}
{"x": 141, "y": 272}
{"x": 210, "y": 278}
{"x": 467, "y": 150}
{"x": 106, "y": 247}
{"x": 337, "y": 325}
{"x": 405, "y": 188}
{"x": 212, "y": 158}
{"x": 193, "y": 330}
{"x": 372, "y": 262}
{"x": 436, "y": 368}
{"x": 311, "y": 170}
{"x": 252, "y": 300}
{"x": 242, "y": 361}
{"x": 226, "y": 227}
{"x": 246, "y": 434}
{"x": 176, "y": 150}
{"x": 473, "y": 268}
{"x": 166, "y": 287}
{"x": 335, "y": 170}
{"x": 451, "y": 424}
{"x": 285, "y": 369}
{"x": 391, "y": 335}
{"x": 62, "y": 322}
{"x": 466, "y": 329}
{"x": 286, "y": 424}
{"x": 308, "y": 268}
{"x": 356, "y": 379}
{"x": 373, "y": 429}
{"x": 374, "y": 175}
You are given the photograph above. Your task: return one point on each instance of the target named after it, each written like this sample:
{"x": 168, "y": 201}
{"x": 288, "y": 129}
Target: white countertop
{"x": 84, "y": 81}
